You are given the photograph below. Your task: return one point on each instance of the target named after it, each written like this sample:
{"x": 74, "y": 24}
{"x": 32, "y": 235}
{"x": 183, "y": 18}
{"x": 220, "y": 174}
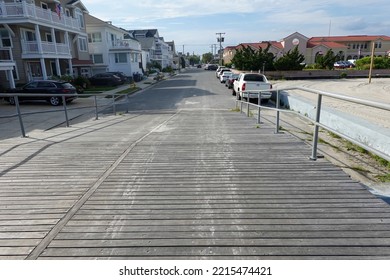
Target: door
{"x": 35, "y": 70}
{"x": 53, "y": 68}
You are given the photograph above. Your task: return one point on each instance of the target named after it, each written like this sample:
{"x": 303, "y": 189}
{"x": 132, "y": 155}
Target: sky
{"x": 194, "y": 24}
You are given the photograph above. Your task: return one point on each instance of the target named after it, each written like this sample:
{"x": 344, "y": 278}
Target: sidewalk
{"x": 10, "y": 127}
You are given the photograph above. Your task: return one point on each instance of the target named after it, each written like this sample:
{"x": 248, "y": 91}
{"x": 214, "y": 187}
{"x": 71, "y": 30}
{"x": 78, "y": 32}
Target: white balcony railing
{"x": 30, "y": 11}
{"x": 125, "y": 44}
{"x": 29, "y": 48}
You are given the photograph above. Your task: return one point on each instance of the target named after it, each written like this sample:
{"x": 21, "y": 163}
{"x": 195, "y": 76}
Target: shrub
{"x": 379, "y": 63}
{"x": 168, "y": 69}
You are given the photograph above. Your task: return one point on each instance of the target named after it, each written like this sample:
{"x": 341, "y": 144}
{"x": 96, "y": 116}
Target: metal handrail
{"x": 65, "y": 108}
{"x": 316, "y": 122}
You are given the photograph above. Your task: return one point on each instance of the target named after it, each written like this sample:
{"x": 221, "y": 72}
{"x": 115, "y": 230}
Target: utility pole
{"x": 220, "y": 40}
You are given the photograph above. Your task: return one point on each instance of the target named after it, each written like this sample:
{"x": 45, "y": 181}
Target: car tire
{"x": 55, "y": 100}
{"x": 11, "y": 100}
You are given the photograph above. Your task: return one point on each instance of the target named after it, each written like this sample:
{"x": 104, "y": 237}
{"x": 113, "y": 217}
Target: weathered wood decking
{"x": 200, "y": 185}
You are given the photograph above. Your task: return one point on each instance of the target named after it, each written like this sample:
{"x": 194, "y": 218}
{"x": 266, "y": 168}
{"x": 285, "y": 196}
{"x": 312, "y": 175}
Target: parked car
{"x": 224, "y": 76}
{"x": 230, "y": 80}
{"x": 121, "y": 75}
{"x": 220, "y": 72}
{"x": 249, "y": 85}
{"x": 105, "y": 79}
{"x": 53, "y": 90}
{"x": 211, "y": 67}
{"x": 343, "y": 64}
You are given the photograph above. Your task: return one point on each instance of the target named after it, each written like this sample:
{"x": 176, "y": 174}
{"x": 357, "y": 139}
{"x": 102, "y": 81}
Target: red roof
{"x": 332, "y": 45}
{"x": 352, "y": 38}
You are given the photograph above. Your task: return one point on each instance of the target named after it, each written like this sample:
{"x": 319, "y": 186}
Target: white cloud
{"x": 271, "y": 19}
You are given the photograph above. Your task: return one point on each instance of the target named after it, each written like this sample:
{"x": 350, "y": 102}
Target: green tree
{"x": 292, "y": 60}
{"x": 326, "y": 61}
{"x": 182, "y": 62}
{"x": 207, "y": 57}
{"x": 250, "y": 59}
{"x": 194, "y": 59}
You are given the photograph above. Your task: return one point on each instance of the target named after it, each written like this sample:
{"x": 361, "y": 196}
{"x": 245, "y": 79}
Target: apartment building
{"x": 154, "y": 45}
{"x": 109, "y": 50}
{"x": 348, "y": 47}
{"x": 41, "y": 39}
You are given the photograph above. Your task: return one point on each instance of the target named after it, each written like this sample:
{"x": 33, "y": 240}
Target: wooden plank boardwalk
{"x": 191, "y": 184}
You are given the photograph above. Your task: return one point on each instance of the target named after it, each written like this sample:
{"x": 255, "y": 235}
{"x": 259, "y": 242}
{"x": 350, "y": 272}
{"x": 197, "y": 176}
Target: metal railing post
{"x": 65, "y": 110}
{"x": 96, "y": 109}
{"x": 19, "y": 115}
{"x": 113, "y": 105}
{"x": 277, "y": 112}
{"x": 259, "y": 109}
{"x": 247, "y": 107}
{"x": 127, "y": 103}
{"x": 241, "y": 106}
{"x": 316, "y": 128}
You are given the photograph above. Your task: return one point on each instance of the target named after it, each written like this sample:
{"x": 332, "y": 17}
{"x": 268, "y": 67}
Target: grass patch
{"x": 235, "y": 110}
{"x": 334, "y": 135}
{"x": 128, "y": 90}
{"x": 384, "y": 178}
{"x": 381, "y": 161}
{"x": 352, "y": 147}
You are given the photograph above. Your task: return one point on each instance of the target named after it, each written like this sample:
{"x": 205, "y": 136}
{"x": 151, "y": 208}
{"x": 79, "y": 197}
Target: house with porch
{"x": 111, "y": 49}
{"x": 154, "y": 46}
{"x": 42, "y": 39}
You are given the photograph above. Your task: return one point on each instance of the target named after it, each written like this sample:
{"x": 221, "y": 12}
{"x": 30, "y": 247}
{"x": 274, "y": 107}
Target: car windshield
{"x": 253, "y": 78}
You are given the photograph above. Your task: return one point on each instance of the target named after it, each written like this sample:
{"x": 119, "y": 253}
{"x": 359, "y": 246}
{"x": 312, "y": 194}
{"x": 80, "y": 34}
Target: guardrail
{"x": 317, "y": 121}
{"x": 65, "y": 108}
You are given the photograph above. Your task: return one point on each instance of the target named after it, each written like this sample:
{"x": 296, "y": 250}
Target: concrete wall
{"x": 372, "y": 135}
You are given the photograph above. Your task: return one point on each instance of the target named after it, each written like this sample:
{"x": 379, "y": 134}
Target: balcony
{"x": 125, "y": 45}
{"x": 16, "y": 12}
{"x": 48, "y": 48}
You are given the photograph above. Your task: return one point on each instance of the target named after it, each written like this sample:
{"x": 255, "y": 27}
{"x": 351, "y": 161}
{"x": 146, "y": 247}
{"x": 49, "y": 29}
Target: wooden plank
{"x": 192, "y": 185}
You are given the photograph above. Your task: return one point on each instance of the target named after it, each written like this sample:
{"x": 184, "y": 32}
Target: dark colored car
{"x": 211, "y": 67}
{"x": 105, "y": 79}
{"x": 121, "y": 75}
{"x": 230, "y": 81}
{"x": 53, "y": 90}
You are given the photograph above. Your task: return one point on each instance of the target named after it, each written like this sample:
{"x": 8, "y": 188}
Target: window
{"x": 120, "y": 58}
{"x": 378, "y": 45}
{"x": 49, "y": 38}
{"x": 30, "y": 36}
{"x": 82, "y": 44}
{"x": 5, "y": 38}
{"x": 97, "y": 58}
{"x": 67, "y": 12}
{"x": 95, "y": 37}
{"x": 80, "y": 17}
{"x": 44, "y": 6}
{"x": 134, "y": 57}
